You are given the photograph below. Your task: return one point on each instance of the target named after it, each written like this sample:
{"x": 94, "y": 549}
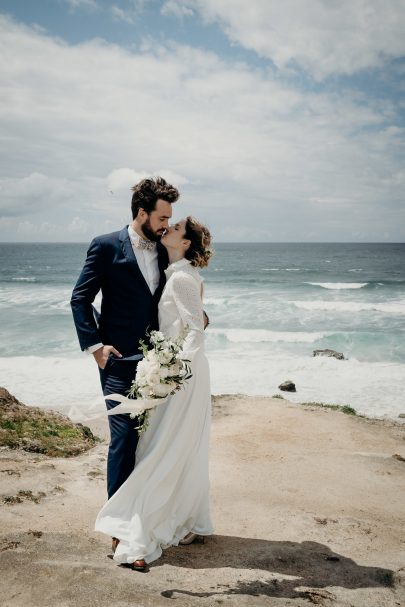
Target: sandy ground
{"x": 308, "y": 504}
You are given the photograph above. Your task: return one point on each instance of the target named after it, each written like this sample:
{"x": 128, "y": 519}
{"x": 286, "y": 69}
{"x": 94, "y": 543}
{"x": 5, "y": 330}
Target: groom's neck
{"x": 138, "y": 229}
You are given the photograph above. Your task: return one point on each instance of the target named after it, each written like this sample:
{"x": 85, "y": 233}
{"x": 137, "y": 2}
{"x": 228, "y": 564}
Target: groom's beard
{"x": 150, "y": 233}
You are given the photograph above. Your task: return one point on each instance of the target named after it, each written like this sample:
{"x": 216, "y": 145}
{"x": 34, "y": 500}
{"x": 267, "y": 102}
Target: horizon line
{"x": 86, "y": 242}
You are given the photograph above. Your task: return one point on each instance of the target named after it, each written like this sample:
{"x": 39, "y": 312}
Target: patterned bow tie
{"x": 146, "y": 245}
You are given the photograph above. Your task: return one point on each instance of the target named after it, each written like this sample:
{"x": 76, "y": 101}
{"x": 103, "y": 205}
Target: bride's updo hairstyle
{"x": 199, "y": 251}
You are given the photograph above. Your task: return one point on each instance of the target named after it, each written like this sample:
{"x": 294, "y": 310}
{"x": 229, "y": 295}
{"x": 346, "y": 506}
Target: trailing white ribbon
{"x": 132, "y": 405}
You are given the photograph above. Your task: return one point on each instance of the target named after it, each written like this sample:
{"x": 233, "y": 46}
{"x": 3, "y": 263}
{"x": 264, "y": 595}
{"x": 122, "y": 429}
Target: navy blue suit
{"x": 128, "y": 310}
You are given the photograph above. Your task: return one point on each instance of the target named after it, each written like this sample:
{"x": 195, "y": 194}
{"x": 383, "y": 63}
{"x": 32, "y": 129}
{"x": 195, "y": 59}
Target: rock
{"x": 328, "y": 352}
{"x": 39, "y": 430}
{"x": 401, "y": 415}
{"x": 287, "y": 386}
{"x": 8, "y": 401}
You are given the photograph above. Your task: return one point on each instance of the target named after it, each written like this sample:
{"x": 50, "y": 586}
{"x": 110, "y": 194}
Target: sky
{"x": 277, "y": 121}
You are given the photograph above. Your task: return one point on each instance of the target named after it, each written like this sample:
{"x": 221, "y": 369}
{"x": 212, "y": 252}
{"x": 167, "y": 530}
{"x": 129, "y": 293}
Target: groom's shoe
{"x": 139, "y": 565}
{"x": 114, "y": 544}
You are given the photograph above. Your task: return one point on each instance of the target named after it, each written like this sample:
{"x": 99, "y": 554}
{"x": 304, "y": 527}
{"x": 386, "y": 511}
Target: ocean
{"x": 270, "y": 305}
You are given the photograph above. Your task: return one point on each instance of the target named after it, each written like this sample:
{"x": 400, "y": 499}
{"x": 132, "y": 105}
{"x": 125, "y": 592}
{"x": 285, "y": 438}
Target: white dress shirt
{"x": 147, "y": 261}
{"x": 148, "y": 264}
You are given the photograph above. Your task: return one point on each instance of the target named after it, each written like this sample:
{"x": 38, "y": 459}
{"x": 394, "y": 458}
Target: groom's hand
{"x": 101, "y": 355}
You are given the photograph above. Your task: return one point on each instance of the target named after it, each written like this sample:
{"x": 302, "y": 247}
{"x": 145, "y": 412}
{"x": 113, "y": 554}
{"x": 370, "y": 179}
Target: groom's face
{"x": 157, "y": 221}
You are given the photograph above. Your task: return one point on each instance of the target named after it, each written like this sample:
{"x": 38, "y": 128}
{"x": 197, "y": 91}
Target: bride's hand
{"x": 101, "y": 355}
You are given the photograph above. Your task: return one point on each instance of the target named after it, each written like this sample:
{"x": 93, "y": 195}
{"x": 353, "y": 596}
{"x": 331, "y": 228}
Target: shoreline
{"x": 373, "y": 389}
{"x": 307, "y": 506}
{"x": 315, "y": 405}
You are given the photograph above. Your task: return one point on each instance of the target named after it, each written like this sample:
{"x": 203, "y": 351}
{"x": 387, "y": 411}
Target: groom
{"x": 128, "y": 267}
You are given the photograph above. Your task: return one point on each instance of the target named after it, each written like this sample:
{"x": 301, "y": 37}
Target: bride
{"x": 165, "y": 500}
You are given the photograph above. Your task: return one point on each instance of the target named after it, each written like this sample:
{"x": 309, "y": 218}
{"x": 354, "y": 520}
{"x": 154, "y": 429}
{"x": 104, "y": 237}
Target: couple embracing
{"x": 157, "y": 483}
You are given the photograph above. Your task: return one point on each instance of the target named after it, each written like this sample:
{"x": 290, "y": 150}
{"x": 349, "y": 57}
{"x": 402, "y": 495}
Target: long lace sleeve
{"x": 186, "y": 293}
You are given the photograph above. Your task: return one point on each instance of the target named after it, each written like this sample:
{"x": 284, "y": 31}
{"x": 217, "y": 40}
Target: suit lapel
{"x": 129, "y": 254}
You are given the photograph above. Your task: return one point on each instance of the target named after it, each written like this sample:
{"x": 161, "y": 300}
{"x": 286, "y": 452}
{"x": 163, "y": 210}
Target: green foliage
{"x": 344, "y": 408}
{"x": 40, "y": 431}
{"x": 35, "y": 428}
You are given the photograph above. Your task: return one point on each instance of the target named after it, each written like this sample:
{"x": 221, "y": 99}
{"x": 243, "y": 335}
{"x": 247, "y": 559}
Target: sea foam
{"x": 71, "y": 385}
{"x": 396, "y": 307}
{"x": 338, "y": 285}
{"x": 264, "y": 335}
{"x": 39, "y": 297}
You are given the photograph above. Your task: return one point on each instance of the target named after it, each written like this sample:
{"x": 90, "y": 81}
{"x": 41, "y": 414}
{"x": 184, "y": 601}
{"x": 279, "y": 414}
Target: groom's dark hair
{"x": 148, "y": 191}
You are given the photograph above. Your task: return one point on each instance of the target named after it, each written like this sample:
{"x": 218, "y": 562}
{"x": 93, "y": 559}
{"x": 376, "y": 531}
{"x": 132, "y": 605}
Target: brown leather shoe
{"x": 114, "y": 544}
{"x": 139, "y": 565}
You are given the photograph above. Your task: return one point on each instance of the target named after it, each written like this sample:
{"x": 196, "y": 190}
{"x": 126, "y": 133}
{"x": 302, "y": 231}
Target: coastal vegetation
{"x": 40, "y": 430}
{"x": 344, "y": 408}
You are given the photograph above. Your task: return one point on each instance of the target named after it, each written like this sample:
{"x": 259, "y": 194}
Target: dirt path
{"x": 308, "y": 507}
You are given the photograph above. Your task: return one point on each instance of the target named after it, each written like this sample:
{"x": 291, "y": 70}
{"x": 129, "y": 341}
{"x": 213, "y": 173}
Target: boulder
{"x": 287, "y": 386}
{"x": 328, "y": 352}
{"x": 39, "y": 430}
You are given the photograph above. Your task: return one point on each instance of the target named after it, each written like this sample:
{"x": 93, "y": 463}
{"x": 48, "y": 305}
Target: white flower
{"x": 141, "y": 370}
{"x": 156, "y": 337}
{"x": 152, "y": 357}
{"x": 165, "y": 356}
{"x": 150, "y": 364}
{"x": 162, "y": 390}
{"x": 164, "y": 372}
{"x": 174, "y": 369}
{"x": 144, "y": 391}
{"x": 153, "y": 379}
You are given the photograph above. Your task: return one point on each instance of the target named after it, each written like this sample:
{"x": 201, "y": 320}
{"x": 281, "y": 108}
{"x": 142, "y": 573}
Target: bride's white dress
{"x": 167, "y": 494}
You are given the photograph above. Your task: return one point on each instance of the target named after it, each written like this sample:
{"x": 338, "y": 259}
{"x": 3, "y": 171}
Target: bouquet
{"x": 160, "y": 373}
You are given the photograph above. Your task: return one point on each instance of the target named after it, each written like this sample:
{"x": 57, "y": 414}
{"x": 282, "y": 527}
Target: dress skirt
{"x": 167, "y": 494}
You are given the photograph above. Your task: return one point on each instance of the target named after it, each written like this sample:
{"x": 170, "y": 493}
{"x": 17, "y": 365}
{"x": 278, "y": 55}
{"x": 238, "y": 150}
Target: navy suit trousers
{"x": 117, "y": 377}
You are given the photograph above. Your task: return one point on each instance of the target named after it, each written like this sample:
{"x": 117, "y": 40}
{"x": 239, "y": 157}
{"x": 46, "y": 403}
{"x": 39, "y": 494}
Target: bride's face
{"x": 173, "y": 238}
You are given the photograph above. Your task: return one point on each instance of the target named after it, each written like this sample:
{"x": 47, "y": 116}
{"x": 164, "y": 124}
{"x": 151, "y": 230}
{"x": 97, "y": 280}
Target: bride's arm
{"x": 186, "y": 293}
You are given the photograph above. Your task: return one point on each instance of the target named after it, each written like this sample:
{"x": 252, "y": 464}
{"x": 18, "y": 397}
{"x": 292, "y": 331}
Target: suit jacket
{"x": 128, "y": 308}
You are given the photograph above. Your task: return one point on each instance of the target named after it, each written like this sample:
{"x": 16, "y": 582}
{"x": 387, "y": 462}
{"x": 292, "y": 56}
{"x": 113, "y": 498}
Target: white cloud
{"x": 330, "y": 200}
{"x": 247, "y": 150}
{"x": 129, "y": 14}
{"x": 31, "y": 231}
{"x": 177, "y": 9}
{"x": 124, "y": 179}
{"x": 120, "y": 15}
{"x": 78, "y": 226}
{"x": 90, "y": 5}
{"x": 320, "y": 36}
{"x": 31, "y": 193}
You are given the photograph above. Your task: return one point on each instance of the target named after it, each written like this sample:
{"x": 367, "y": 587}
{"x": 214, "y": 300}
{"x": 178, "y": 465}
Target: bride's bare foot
{"x": 114, "y": 544}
